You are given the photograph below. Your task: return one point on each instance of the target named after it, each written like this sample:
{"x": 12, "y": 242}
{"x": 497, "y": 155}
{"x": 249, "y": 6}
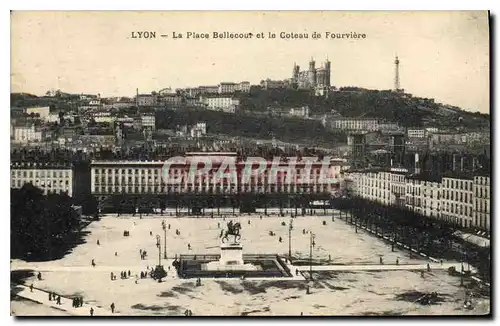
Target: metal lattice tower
{"x": 397, "y": 86}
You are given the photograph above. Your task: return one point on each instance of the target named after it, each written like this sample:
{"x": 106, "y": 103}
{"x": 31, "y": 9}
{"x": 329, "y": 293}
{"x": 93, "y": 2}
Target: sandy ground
{"x": 28, "y": 308}
{"x": 357, "y": 293}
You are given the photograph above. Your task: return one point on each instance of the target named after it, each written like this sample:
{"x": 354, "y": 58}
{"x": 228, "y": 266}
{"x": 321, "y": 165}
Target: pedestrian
{"x": 189, "y": 246}
{"x": 31, "y": 287}
{"x": 116, "y": 254}
{"x": 129, "y": 273}
{"x": 329, "y": 257}
{"x": 150, "y": 232}
{"x": 422, "y": 274}
{"x": 296, "y": 272}
{"x": 58, "y": 299}
{"x": 50, "y": 296}
{"x": 39, "y": 276}
{"x": 397, "y": 261}
{"x": 93, "y": 263}
{"x": 381, "y": 261}
{"x": 218, "y": 225}
{"x": 169, "y": 226}
{"x": 112, "y": 307}
{"x": 73, "y": 304}
{"x": 441, "y": 262}
{"x": 429, "y": 267}
{"x": 91, "y": 311}
{"x": 111, "y": 276}
{"x": 98, "y": 242}
{"x": 280, "y": 239}
{"x": 248, "y": 222}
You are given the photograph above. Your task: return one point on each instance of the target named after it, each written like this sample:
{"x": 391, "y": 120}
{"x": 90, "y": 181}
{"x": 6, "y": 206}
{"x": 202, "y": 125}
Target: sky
{"x": 443, "y": 55}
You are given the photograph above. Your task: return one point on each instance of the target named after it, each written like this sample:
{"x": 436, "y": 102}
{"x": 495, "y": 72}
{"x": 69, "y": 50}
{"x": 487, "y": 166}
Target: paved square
{"x": 341, "y": 292}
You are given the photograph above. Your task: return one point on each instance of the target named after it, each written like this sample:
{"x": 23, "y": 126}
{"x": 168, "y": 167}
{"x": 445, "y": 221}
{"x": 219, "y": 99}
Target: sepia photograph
{"x": 250, "y": 163}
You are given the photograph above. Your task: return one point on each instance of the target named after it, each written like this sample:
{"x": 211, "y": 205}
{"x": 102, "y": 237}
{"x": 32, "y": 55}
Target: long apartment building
{"x": 151, "y": 177}
{"x": 465, "y": 201}
{"x": 50, "y": 177}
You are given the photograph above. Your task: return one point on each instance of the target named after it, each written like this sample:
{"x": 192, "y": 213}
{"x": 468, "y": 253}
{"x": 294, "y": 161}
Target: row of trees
{"x": 434, "y": 237}
{"x": 43, "y": 227}
{"x": 195, "y": 203}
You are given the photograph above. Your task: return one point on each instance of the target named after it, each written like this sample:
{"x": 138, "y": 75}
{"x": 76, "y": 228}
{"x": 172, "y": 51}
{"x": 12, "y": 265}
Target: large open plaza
{"x": 351, "y": 280}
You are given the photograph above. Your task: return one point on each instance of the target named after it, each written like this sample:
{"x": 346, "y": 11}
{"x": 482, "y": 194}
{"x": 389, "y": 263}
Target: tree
{"x": 41, "y": 226}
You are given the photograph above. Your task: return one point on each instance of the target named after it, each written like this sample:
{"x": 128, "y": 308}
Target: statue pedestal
{"x": 231, "y": 254}
{"x": 231, "y": 259}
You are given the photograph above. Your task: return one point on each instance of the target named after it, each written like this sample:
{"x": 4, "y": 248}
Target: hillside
{"x": 245, "y": 125}
{"x": 408, "y": 111}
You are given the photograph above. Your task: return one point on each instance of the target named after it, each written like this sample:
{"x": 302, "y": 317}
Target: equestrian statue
{"x": 232, "y": 229}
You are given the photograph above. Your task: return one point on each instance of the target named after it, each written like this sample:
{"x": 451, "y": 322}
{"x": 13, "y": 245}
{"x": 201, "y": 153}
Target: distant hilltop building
{"x": 313, "y": 77}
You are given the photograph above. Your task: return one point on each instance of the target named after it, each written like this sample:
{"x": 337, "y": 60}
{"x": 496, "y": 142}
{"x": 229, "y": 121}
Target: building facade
{"x": 228, "y": 88}
{"x": 416, "y": 133}
{"x": 226, "y": 104}
{"x": 272, "y": 84}
{"x": 148, "y": 121}
{"x": 50, "y": 177}
{"x": 208, "y": 89}
{"x": 146, "y": 100}
{"x": 28, "y": 134}
{"x": 482, "y": 201}
{"x": 358, "y": 124}
{"x": 150, "y": 177}
{"x": 462, "y": 201}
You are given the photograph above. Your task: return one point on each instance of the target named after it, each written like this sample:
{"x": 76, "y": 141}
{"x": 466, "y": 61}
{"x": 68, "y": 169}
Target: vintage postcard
{"x": 250, "y": 163}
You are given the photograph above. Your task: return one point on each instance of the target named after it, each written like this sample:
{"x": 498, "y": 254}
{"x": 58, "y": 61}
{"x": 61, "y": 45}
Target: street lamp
{"x": 290, "y": 227}
{"x": 159, "y": 249}
{"x": 164, "y": 227}
{"x": 311, "y": 245}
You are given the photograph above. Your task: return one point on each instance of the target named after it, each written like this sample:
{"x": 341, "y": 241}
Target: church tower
{"x": 295, "y": 75}
{"x": 327, "y": 73}
{"x": 312, "y": 73}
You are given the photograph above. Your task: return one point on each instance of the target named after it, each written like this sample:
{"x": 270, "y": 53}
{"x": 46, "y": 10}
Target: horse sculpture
{"x": 232, "y": 229}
